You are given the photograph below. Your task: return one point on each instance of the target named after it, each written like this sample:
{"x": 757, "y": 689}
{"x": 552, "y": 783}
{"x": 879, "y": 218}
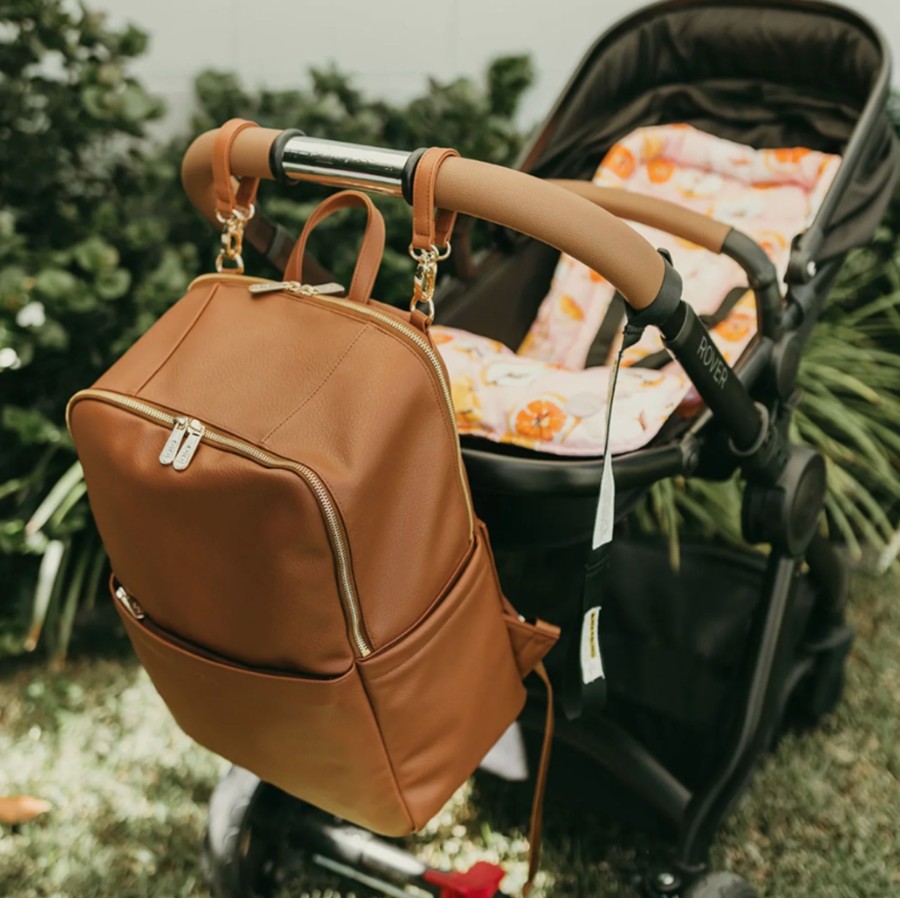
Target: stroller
{"x": 679, "y": 101}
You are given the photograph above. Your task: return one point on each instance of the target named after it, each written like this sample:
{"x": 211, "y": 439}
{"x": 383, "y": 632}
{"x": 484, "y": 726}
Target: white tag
{"x": 606, "y": 507}
{"x": 605, "y": 518}
{"x": 591, "y": 662}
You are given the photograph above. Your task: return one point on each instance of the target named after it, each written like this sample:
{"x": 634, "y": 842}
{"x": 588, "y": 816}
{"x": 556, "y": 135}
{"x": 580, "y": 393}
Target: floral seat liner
{"x": 542, "y": 397}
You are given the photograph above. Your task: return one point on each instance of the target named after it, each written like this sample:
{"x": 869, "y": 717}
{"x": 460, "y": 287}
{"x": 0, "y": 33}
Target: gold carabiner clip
{"x": 233, "y": 239}
{"x": 425, "y": 276}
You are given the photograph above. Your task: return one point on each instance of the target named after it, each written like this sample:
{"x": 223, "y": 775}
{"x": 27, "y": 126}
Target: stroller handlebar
{"x": 667, "y": 216}
{"x": 512, "y": 199}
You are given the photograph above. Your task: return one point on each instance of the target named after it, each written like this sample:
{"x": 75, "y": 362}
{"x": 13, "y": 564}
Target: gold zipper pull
{"x": 259, "y": 289}
{"x": 170, "y": 450}
{"x": 130, "y": 604}
{"x": 330, "y": 289}
{"x": 188, "y": 449}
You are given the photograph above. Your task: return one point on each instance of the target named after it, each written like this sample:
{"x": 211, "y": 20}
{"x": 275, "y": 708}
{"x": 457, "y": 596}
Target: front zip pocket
{"x": 136, "y": 612}
{"x": 184, "y": 441}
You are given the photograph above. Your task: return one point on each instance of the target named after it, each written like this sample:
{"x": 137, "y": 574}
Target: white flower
{"x": 9, "y": 358}
{"x": 31, "y": 315}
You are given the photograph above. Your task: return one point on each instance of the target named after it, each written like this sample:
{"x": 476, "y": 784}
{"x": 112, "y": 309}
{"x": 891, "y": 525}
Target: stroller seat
{"x": 550, "y": 395}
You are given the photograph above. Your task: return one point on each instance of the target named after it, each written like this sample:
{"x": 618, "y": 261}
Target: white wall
{"x": 391, "y": 46}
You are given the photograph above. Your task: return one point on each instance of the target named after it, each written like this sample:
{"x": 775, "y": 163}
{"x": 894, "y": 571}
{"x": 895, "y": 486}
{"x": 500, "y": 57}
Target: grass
{"x": 821, "y": 819}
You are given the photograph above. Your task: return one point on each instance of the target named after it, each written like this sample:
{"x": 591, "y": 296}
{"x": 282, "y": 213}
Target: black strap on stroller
{"x": 585, "y": 680}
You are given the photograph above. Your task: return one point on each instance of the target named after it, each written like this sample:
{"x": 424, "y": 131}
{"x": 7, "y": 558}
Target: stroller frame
{"x": 744, "y": 426}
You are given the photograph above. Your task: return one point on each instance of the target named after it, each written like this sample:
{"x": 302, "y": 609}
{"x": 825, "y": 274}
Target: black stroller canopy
{"x": 760, "y": 73}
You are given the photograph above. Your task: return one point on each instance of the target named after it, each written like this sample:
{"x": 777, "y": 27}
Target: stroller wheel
{"x": 720, "y": 885}
{"x": 238, "y": 851}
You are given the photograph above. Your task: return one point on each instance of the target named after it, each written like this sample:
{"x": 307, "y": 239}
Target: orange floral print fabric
{"x": 772, "y": 195}
{"x": 543, "y": 398}
{"x": 508, "y": 398}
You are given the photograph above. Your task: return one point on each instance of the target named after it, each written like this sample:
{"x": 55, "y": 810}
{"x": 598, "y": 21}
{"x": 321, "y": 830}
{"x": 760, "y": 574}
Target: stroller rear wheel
{"x": 720, "y": 885}
{"x": 237, "y": 853}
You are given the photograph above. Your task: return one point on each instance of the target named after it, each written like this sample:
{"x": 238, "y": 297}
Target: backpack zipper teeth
{"x": 347, "y": 588}
{"x": 295, "y": 288}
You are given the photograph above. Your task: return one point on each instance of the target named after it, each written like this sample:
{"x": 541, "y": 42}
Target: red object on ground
{"x": 482, "y": 881}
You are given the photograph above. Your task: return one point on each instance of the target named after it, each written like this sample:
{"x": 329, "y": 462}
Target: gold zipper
{"x": 297, "y": 289}
{"x": 347, "y": 587}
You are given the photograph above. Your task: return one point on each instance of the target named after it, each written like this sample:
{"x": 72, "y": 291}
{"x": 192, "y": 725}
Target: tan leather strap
{"x": 227, "y": 198}
{"x": 536, "y": 828}
{"x": 370, "y": 251}
{"x": 430, "y": 227}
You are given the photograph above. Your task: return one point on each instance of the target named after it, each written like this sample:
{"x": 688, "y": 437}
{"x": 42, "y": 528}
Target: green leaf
{"x": 54, "y": 283}
{"x": 136, "y": 105}
{"x": 49, "y": 570}
{"x": 70, "y": 606}
{"x": 98, "y": 101}
{"x": 30, "y": 426}
{"x": 71, "y": 481}
{"x": 95, "y": 254}
{"x": 92, "y": 584}
{"x": 113, "y": 284}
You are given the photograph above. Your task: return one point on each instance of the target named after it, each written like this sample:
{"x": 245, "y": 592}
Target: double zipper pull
{"x": 189, "y": 448}
{"x": 170, "y": 450}
{"x": 297, "y": 288}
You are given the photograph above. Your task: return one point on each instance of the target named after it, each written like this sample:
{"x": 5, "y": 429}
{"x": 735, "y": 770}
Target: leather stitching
{"x": 322, "y": 383}
{"x": 346, "y": 313}
{"x": 179, "y": 341}
{"x": 401, "y": 796}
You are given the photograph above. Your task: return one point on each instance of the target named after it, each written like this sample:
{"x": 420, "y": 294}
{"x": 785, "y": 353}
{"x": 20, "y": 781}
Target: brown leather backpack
{"x": 276, "y": 476}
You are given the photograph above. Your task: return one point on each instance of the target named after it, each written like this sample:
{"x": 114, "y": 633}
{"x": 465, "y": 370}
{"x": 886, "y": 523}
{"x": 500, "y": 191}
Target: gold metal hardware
{"x": 233, "y": 239}
{"x": 173, "y": 444}
{"x": 129, "y": 603}
{"x": 425, "y": 276}
{"x": 296, "y": 287}
{"x": 195, "y": 431}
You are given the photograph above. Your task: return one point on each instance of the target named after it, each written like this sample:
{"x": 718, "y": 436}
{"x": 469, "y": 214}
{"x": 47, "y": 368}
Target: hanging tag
{"x": 585, "y": 677}
{"x": 591, "y": 660}
{"x": 606, "y": 502}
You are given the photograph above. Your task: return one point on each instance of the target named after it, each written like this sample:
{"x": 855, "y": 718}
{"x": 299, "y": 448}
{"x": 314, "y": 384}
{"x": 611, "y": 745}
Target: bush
{"x": 89, "y": 257}
{"x": 97, "y": 240}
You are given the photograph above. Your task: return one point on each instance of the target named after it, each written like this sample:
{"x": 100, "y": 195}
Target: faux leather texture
{"x": 324, "y": 505}
{"x": 431, "y": 227}
{"x": 227, "y": 198}
{"x": 704, "y": 230}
